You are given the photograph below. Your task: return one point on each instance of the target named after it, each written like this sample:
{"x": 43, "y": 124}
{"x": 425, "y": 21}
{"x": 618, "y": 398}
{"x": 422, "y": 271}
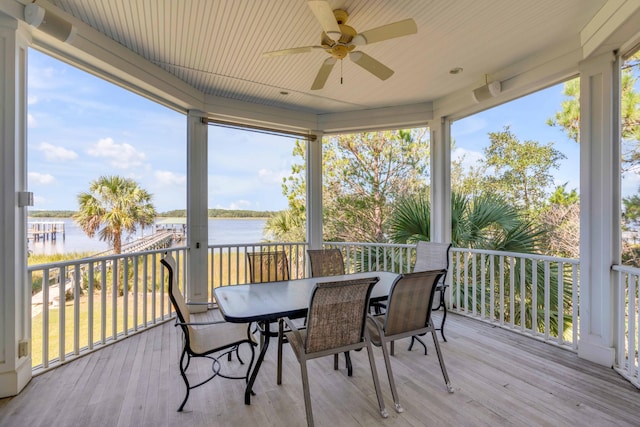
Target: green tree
{"x": 482, "y": 222}
{"x": 285, "y": 226}
{"x": 117, "y": 205}
{"x": 489, "y": 222}
{"x": 363, "y": 174}
{"x": 520, "y": 171}
{"x": 568, "y": 118}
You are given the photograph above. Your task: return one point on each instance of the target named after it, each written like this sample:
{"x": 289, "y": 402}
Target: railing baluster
{"x": 547, "y": 300}
{"x": 534, "y": 297}
{"x": 523, "y": 295}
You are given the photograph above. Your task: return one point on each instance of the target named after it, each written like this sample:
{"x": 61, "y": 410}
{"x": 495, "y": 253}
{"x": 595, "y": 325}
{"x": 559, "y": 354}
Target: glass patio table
{"x": 267, "y": 302}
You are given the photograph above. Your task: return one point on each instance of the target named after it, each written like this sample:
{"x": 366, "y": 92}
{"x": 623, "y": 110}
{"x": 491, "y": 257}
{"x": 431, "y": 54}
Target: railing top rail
{"x": 256, "y": 244}
{"x": 390, "y": 245}
{"x": 103, "y": 258}
{"x": 537, "y": 257}
{"x": 626, "y": 269}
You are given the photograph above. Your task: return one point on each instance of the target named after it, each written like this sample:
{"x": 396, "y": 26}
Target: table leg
{"x": 266, "y": 333}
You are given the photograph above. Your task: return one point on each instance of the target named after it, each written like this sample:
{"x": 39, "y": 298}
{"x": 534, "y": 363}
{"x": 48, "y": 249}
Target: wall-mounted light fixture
{"x": 48, "y": 22}
{"x": 488, "y": 91}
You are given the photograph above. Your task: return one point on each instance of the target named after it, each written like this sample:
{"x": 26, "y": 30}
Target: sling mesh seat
{"x": 205, "y": 339}
{"x": 335, "y": 324}
{"x": 434, "y": 256}
{"x": 408, "y": 313}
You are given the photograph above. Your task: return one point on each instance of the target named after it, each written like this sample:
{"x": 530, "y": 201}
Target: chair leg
{"x": 444, "y": 317}
{"x": 280, "y": 344}
{"x": 441, "y": 360}
{"x": 305, "y": 389}
{"x": 376, "y": 381}
{"x": 414, "y": 339}
{"x": 392, "y": 383}
{"x": 347, "y": 360}
{"x": 183, "y": 368}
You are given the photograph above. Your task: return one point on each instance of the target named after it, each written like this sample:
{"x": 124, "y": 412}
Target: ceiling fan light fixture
{"x": 359, "y": 40}
{"x": 334, "y": 35}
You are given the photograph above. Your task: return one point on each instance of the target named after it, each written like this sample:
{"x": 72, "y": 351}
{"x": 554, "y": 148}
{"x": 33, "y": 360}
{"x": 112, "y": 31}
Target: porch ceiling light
{"x": 48, "y": 22}
{"x": 487, "y": 91}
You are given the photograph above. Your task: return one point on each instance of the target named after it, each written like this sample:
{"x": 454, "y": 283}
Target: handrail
{"x": 491, "y": 286}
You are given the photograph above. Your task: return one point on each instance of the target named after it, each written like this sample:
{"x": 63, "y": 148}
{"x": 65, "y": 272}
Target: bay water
{"x": 221, "y": 231}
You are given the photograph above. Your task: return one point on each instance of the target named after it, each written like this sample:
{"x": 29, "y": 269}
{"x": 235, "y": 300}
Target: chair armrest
{"x": 200, "y": 323}
{"x": 296, "y": 332}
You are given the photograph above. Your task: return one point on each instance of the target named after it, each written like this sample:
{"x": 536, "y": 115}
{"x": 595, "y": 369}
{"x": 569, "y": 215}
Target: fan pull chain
{"x": 341, "y": 71}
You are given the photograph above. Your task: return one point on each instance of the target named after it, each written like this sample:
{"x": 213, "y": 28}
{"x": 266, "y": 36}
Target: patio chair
{"x": 335, "y": 324}
{"x": 268, "y": 266}
{"x": 326, "y": 262}
{"x": 264, "y": 267}
{"x": 433, "y": 256}
{"x": 329, "y": 262}
{"x": 204, "y": 339}
{"x": 408, "y": 314}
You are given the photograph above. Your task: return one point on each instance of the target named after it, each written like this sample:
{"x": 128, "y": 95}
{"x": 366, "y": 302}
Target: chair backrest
{"x": 337, "y": 314}
{"x": 326, "y": 262}
{"x": 177, "y": 300}
{"x": 268, "y": 266}
{"x": 410, "y": 300}
{"x": 432, "y": 256}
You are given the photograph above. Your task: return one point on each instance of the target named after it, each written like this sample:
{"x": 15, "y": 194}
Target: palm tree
{"x": 117, "y": 205}
{"x": 486, "y": 222}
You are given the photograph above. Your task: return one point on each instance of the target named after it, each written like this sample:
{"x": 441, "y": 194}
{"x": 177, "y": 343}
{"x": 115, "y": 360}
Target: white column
{"x": 440, "y": 165}
{"x": 197, "y": 210}
{"x": 314, "y": 192}
{"x": 599, "y": 205}
{"x": 15, "y": 292}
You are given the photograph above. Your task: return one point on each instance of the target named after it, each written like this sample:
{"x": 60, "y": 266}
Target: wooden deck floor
{"x": 500, "y": 378}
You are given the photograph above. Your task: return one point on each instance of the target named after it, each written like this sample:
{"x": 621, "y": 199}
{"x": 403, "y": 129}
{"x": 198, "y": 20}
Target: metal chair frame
{"x": 408, "y": 314}
{"x": 335, "y": 324}
{"x": 196, "y": 341}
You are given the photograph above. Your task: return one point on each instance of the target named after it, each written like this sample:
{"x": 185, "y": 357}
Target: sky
{"x": 81, "y": 127}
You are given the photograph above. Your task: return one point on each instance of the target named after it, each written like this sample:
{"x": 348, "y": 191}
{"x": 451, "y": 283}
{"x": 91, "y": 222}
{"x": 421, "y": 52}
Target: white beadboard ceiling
{"x": 215, "y": 46}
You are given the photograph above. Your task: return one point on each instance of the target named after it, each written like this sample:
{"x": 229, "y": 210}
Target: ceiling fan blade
{"x": 386, "y": 32}
{"x": 323, "y": 73}
{"x": 373, "y": 66}
{"x": 290, "y": 51}
{"x": 322, "y": 10}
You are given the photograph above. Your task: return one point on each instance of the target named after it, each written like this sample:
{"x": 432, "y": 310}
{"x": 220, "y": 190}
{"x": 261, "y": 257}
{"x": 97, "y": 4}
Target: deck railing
{"x": 497, "y": 287}
{"x": 85, "y": 304}
{"x": 107, "y": 298}
{"x": 535, "y": 295}
{"x": 627, "y": 327}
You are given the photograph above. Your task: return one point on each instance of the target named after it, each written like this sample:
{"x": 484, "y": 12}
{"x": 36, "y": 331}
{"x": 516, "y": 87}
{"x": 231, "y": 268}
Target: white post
{"x": 197, "y": 210}
{"x": 440, "y": 165}
{"x": 314, "y": 191}
{"x": 15, "y": 292}
{"x": 599, "y": 205}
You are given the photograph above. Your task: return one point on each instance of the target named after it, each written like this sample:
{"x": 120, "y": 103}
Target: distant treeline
{"x": 221, "y": 213}
{"x": 179, "y": 213}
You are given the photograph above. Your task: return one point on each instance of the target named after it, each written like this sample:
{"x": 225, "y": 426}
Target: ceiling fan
{"x": 340, "y": 40}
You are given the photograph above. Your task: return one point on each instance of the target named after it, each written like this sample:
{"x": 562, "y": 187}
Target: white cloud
{"x": 238, "y": 204}
{"x": 31, "y": 121}
{"x": 169, "y": 178}
{"x": 32, "y": 100}
{"x": 268, "y": 176}
{"x": 54, "y": 153}
{"x": 41, "y": 178}
{"x": 469, "y": 158}
{"x": 122, "y": 156}
{"x": 630, "y": 184}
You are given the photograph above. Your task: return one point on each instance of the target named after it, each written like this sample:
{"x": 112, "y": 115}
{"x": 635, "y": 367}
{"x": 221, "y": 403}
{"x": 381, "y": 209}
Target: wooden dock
{"x": 45, "y": 230}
